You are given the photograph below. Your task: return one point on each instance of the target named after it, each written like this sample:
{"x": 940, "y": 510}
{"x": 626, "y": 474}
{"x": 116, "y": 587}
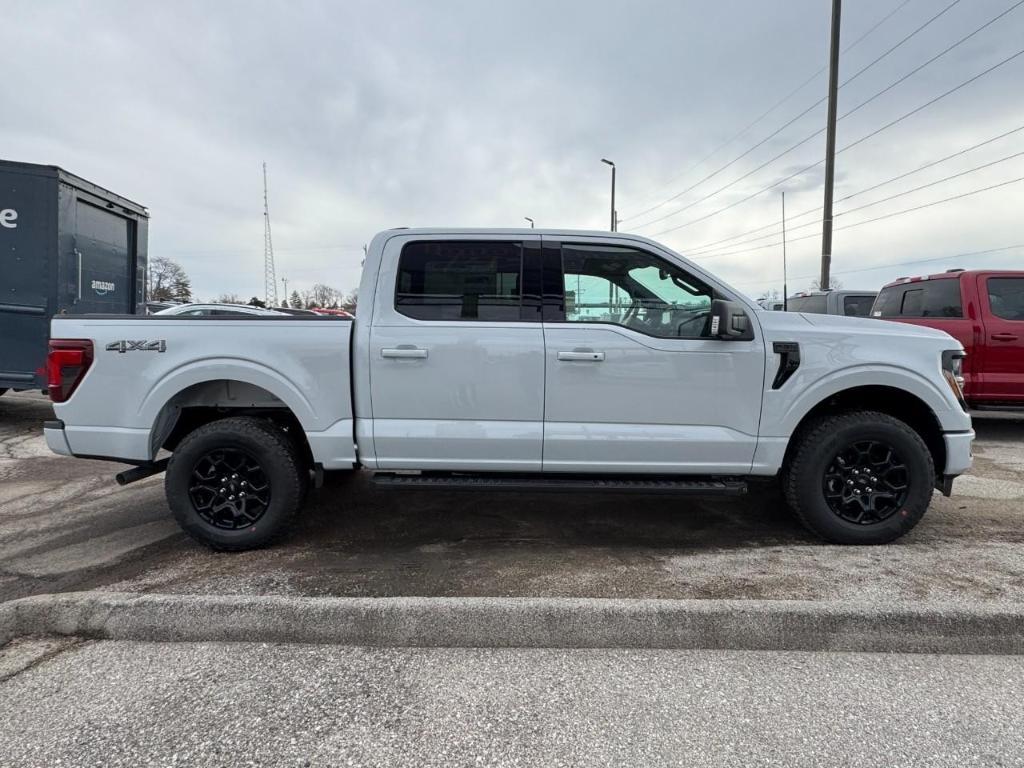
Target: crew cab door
{"x": 1002, "y": 370}
{"x": 456, "y": 372}
{"x": 635, "y": 382}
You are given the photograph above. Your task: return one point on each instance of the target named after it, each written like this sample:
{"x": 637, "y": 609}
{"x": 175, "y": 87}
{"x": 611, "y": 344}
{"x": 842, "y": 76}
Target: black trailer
{"x": 67, "y": 246}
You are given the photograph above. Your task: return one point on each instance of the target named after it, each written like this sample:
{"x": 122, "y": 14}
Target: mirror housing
{"x": 730, "y": 321}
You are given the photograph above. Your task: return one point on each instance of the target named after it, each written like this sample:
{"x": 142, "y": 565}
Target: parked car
{"x": 834, "y": 302}
{"x": 519, "y": 359}
{"x": 294, "y": 311}
{"x": 334, "y": 312}
{"x": 152, "y": 307}
{"x": 984, "y": 311}
{"x": 214, "y": 310}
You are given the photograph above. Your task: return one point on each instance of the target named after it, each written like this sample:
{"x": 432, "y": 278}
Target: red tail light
{"x": 66, "y": 365}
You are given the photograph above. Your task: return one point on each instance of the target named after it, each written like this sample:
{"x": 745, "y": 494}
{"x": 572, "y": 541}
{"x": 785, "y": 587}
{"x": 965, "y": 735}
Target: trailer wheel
{"x": 860, "y": 477}
{"x": 236, "y": 483}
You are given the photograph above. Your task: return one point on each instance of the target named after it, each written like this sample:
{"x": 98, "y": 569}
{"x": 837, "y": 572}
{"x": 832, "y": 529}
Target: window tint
{"x": 611, "y": 284}
{"x": 926, "y": 298}
{"x": 460, "y": 280}
{"x": 815, "y": 304}
{"x": 857, "y": 306}
{"x": 1006, "y": 297}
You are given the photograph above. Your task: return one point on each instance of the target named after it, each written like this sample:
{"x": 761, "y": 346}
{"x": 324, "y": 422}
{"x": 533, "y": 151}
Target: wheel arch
{"x": 899, "y": 403}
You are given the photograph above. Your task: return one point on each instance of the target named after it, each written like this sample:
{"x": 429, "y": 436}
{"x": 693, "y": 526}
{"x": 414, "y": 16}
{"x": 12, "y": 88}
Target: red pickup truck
{"x": 984, "y": 310}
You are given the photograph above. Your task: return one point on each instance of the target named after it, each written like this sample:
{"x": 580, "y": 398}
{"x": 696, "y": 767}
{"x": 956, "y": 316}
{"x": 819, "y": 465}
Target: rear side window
{"x": 925, "y": 298}
{"x": 1006, "y": 297}
{"x": 857, "y": 306}
{"x": 460, "y": 280}
{"x": 816, "y": 304}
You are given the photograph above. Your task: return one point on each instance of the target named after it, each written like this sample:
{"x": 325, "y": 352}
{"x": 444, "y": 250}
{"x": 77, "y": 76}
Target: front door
{"x": 1002, "y": 371}
{"x": 635, "y": 383}
{"x": 456, "y": 358}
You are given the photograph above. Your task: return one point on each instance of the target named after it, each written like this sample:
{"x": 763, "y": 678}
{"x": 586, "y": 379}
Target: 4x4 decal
{"x": 126, "y": 345}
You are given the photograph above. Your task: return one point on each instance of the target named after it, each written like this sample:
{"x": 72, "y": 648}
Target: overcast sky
{"x": 379, "y": 114}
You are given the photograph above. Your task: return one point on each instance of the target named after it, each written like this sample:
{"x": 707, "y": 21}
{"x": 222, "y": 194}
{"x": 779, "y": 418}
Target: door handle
{"x": 1003, "y": 337}
{"x": 582, "y": 355}
{"x": 408, "y": 353}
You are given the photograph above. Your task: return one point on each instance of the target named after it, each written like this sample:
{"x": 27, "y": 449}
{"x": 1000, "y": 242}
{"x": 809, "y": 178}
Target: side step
{"x": 696, "y": 486}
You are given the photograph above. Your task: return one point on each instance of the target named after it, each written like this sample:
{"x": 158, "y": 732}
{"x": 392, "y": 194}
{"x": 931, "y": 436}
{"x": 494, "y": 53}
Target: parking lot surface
{"x": 65, "y": 525}
{"x": 113, "y": 704}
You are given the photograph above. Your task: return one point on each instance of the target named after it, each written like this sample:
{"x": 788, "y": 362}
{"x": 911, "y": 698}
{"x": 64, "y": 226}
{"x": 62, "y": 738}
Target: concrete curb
{"x": 521, "y": 622}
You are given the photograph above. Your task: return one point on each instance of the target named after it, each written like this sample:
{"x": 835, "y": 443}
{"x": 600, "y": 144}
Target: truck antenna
{"x": 269, "y": 279}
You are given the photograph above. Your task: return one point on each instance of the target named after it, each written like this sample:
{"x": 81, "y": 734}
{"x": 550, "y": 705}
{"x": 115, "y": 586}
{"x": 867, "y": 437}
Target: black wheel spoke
{"x": 229, "y": 489}
{"x": 866, "y": 482}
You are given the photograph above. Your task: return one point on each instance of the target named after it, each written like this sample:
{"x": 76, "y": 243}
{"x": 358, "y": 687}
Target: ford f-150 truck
{"x": 519, "y": 359}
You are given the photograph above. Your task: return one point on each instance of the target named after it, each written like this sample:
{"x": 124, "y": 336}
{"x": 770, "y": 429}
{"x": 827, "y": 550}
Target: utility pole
{"x": 269, "y": 280}
{"x": 785, "y": 287}
{"x": 614, "y": 214}
{"x": 830, "y": 148}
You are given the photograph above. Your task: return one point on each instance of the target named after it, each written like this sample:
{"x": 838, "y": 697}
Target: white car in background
{"x": 215, "y": 310}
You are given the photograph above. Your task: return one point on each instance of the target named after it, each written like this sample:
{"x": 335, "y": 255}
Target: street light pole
{"x": 529, "y": 220}
{"x": 614, "y": 217}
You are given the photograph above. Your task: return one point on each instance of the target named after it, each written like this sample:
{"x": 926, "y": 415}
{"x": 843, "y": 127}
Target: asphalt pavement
{"x": 65, "y": 525}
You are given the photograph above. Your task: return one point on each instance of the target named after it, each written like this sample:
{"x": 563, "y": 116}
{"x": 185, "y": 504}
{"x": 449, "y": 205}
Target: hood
{"x": 859, "y": 326}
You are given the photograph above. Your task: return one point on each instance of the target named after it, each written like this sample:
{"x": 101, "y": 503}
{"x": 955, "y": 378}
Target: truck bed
{"x": 147, "y": 369}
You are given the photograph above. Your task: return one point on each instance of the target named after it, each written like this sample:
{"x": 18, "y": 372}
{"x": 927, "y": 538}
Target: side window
{"x": 1006, "y": 297}
{"x": 816, "y": 304}
{"x": 888, "y": 302}
{"x": 857, "y": 306}
{"x": 460, "y": 280}
{"x": 634, "y": 289}
{"x": 913, "y": 302}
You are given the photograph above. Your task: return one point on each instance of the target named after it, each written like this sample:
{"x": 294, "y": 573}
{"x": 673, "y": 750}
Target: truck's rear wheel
{"x": 235, "y": 483}
{"x": 859, "y": 478}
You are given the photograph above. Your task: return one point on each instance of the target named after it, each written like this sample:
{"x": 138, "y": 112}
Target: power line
{"x": 710, "y": 246}
{"x": 781, "y": 128}
{"x": 869, "y": 221}
{"x": 897, "y": 264}
{"x": 976, "y": 168}
{"x": 846, "y": 114}
{"x": 862, "y": 139}
{"x": 767, "y": 112}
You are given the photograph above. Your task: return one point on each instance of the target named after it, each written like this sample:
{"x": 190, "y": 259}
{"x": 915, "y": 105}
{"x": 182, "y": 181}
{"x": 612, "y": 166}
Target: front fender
{"x": 786, "y": 407}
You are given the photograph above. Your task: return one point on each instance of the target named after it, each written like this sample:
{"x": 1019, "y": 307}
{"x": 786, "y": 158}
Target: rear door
{"x": 104, "y": 251}
{"x": 1002, "y": 301}
{"x": 635, "y": 382}
{"x": 456, "y": 358}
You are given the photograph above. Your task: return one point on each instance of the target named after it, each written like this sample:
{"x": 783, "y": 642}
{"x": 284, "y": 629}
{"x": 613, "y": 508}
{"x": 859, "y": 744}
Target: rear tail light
{"x": 66, "y": 365}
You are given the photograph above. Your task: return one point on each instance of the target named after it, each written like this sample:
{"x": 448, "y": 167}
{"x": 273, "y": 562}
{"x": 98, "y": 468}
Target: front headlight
{"x": 953, "y": 373}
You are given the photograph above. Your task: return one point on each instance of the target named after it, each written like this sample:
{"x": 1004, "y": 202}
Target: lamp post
{"x": 529, "y": 220}
{"x": 609, "y": 162}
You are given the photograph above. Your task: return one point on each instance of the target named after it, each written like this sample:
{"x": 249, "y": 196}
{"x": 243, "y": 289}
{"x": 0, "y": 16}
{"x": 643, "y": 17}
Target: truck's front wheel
{"x": 236, "y": 483}
{"x": 859, "y": 478}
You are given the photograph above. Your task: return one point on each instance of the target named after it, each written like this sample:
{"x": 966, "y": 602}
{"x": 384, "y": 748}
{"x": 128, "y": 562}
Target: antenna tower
{"x": 269, "y": 280}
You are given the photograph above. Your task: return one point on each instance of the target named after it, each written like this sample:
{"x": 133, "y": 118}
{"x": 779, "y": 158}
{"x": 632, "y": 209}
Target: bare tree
{"x": 833, "y": 284}
{"x": 324, "y": 296}
{"x": 229, "y": 298}
{"x": 351, "y": 299}
{"x": 168, "y": 281}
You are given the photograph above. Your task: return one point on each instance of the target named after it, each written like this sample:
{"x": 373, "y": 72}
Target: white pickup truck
{"x": 519, "y": 359}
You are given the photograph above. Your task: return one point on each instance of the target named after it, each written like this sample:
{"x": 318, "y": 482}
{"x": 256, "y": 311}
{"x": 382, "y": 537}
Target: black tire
{"x": 260, "y": 451}
{"x": 840, "y": 468}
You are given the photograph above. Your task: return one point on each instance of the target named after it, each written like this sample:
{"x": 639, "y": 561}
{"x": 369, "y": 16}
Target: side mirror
{"x": 729, "y": 321}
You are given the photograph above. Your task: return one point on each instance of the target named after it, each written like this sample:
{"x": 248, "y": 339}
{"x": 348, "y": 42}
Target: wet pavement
{"x": 65, "y": 525}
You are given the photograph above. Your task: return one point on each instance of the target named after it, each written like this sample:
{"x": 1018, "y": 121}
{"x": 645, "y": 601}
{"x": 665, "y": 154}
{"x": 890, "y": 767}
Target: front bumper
{"x": 56, "y": 440}
{"x": 958, "y": 452}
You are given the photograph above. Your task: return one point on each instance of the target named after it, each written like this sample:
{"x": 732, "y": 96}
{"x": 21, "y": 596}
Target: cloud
{"x": 373, "y": 115}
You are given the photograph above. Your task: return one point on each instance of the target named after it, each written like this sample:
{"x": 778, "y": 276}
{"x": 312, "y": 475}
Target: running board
{"x": 514, "y": 482}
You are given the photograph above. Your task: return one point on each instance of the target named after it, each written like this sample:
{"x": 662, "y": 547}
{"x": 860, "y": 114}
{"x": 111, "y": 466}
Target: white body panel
{"x": 495, "y": 396}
